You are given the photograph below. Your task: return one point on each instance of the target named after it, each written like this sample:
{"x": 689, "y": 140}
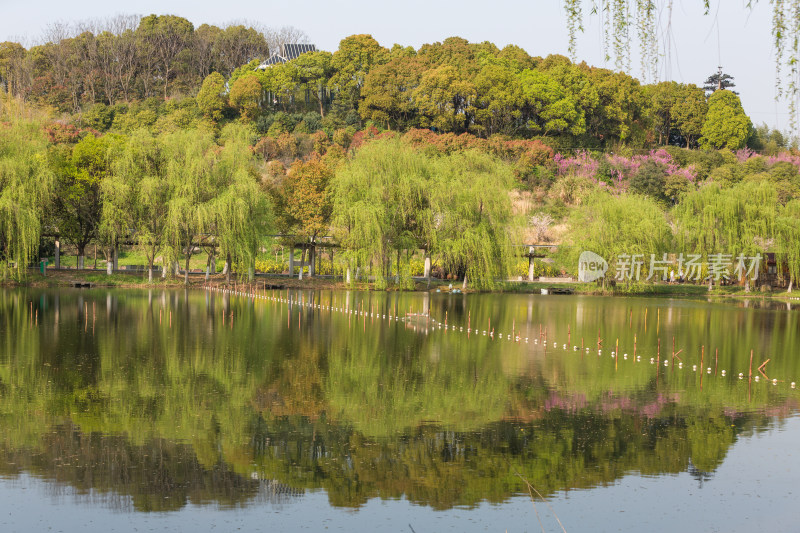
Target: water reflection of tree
{"x": 357, "y": 407}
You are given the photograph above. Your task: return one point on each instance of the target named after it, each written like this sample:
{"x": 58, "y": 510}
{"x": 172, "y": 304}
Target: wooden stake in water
{"x": 616, "y": 354}
{"x": 750, "y": 374}
{"x": 634, "y": 348}
{"x": 658, "y": 320}
{"x": 702, "y": 356}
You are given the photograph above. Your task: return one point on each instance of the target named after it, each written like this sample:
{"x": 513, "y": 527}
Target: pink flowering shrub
{"x": 616, "y": 170}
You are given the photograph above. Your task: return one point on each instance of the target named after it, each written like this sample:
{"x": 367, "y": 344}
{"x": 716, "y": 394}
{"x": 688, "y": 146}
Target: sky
{"x": 732, "y": 36}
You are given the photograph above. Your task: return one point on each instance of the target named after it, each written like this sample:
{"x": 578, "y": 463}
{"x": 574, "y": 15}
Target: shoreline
{"x": 138, "y": 280}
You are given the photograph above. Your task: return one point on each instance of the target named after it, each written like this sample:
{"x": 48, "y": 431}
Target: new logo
{"x": 591, "y": 267}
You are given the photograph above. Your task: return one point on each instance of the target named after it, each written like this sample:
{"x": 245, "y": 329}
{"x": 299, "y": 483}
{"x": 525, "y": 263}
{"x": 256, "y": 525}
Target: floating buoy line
{"x": 428, "y": 323}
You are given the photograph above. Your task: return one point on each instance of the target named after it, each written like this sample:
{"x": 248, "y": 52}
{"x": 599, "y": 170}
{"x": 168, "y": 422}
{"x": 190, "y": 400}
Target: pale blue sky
{"x": 743, "y": 47}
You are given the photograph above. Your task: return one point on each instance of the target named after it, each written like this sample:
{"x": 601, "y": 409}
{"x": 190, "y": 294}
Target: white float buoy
{"x": 666, "y": 363}
{"x": 793, "y": 384}
{"x": 652, "y": 360}
{"x": 723, "y": 372}
{"x": 680, "y": 365}
{"x": 756, "y": 379}
{"x": 741, "y": 376}
{"x": 694, "y": 368}
{"x": 774, "y": 381}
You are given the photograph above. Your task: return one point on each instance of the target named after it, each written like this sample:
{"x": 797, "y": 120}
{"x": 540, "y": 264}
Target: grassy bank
{"x": 121, "y": 279}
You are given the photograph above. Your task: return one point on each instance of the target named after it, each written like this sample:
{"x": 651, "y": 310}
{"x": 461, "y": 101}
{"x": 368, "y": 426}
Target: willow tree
{"x": 26, "y": 186}
{"x": 612, "y": 226}
{"x": 473, "y": 217}
{"x": 735, "y": 220}
{"x": 787, "y": 239}
{"x": 136, "y": 195}
{"x": 240, "y": 212}
{"x": 381, "y": 202}
{"x": 192, "y": 185}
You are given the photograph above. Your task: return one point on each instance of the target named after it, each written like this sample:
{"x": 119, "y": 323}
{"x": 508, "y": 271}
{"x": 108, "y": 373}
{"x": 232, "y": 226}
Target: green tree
{"x": 137, "y": 194}
{"x": 351, "y": 63}
{"x": 688, "y": 113}
{"x": 212, "y": 98}
{"x": 26, "y": 186}
{"x": 726, "y": 124}
{"x": 548, "y": 106}
{"x": 163, "y": 40}
{"x": 388, "y": 93}
{"x": 189, "y": 157}
{"x": 472, "y": 218}
{"x": 445, "y": 99}
{"x": 78, "y": 200}
{"x": 238, "y": 211}
{"x": 313, "y": 71}
{"x": 611, "y": 225}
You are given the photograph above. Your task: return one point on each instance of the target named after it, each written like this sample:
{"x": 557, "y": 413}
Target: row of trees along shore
{"x": 456, "y": 152}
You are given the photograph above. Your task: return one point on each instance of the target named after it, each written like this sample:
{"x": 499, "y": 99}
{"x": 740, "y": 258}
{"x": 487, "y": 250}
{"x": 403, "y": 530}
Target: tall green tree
{"x": 192, "y": 186}
{"x": 726, "y": 124}
{"x": 472, "y": 218}
{"x": 78, "y": 199}
{"x": 351, "y": 63}
{"x": 26, "y": 186}
{"x": 240, "y": 214}
{"x": 212, "y": 97}
{"x": 136, "y": 195}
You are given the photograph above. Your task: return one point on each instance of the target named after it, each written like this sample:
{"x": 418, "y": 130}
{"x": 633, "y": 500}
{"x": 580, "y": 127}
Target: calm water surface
{"x": 304, "y": 411}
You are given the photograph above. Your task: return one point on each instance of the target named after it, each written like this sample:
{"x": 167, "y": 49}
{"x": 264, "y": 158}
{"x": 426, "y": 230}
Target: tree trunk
{"x": 81, "y": 256}
{"x": 791, "y": 283}
{"x": 186, "y": 272}
{"x": 348, "y": 276}
{"x": 228, "y": 269}
{"x": 302, "y": 260}
{"x": 464, "y": 285}
{"x": 428, "y": 267}
{"x": 530, "y": 268}
{"x": 58, "y": 254}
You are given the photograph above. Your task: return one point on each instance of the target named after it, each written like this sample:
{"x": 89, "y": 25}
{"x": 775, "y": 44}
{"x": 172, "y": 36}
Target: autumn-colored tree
{"x": 245, "y": 96}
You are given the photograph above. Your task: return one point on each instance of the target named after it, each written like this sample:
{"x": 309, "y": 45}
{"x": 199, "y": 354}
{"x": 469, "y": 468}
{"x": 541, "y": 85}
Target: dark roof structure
{"x": 287, "y": 52}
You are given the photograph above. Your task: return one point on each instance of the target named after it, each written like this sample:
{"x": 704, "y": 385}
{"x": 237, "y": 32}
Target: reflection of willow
{"x": 391, "y": 380}
{"x": 361, "y": 408}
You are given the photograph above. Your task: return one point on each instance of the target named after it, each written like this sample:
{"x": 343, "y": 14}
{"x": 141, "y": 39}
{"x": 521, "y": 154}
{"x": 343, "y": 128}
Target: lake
{"x": 131, "y": 410}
